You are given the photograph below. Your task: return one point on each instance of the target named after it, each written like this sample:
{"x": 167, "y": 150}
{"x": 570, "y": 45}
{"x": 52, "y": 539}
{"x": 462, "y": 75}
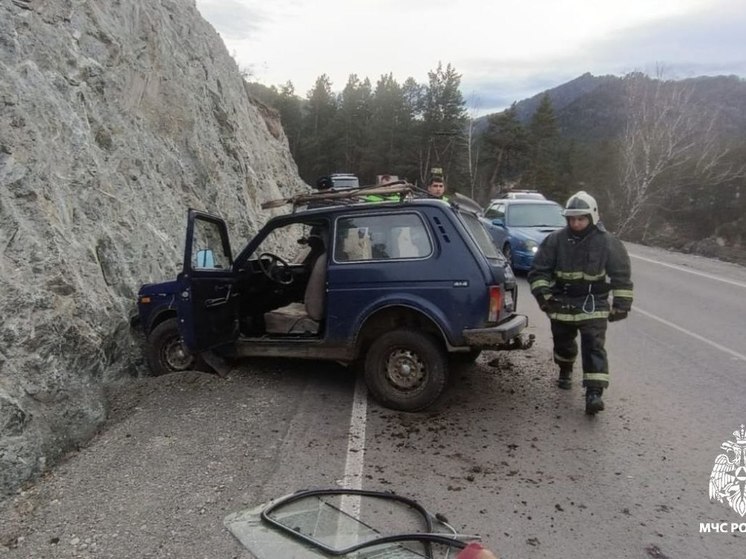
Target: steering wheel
{"x": 275, "y": 268}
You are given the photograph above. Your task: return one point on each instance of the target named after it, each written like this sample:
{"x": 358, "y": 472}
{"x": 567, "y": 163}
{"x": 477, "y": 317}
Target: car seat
{"x": 305, "y": 317}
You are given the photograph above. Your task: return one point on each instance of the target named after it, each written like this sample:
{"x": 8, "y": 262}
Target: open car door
{"x": 208, "y": 300}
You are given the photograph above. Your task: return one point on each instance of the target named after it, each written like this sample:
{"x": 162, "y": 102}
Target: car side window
{"x": 208, "y": 252}
{"x": 496, "y": 211}
{"x": 381, "y": 237}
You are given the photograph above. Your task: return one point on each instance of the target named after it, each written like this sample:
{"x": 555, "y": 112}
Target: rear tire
{"x": 406, "y": 370}
{"x": 166, "y": 353}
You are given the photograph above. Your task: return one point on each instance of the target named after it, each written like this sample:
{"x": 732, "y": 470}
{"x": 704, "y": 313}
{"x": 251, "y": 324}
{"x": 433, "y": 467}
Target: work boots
{"x": 593, "y": 401}
{"x": 565, "y": 382}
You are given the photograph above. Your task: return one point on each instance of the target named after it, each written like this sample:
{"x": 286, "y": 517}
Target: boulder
{"x": 116, "y": 117}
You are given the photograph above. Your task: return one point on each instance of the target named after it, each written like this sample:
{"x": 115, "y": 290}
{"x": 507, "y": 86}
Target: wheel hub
{"x": 405, "y": 369}
{"x": 176, "y": 356}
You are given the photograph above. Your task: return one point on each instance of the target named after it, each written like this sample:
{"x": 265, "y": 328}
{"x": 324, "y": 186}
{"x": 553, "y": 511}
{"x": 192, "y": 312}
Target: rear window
{"x": 480, "y": 235}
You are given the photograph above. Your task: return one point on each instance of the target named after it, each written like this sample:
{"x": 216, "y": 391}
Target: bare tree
{"x": 670, "y": 142}
{"x": 472, "y": 145}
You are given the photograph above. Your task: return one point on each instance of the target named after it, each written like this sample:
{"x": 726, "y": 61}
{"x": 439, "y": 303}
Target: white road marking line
{"x": 692, "y": 334}
{"x": 353, "y": 476}
{"x": 689, "y": 271}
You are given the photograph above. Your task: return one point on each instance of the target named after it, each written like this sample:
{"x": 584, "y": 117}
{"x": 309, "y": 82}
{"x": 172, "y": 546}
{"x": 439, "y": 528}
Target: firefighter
{"x": 574, "y": 271}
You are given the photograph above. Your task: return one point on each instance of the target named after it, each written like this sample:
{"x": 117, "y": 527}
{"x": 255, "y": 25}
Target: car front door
{"x": 208, "y": 301}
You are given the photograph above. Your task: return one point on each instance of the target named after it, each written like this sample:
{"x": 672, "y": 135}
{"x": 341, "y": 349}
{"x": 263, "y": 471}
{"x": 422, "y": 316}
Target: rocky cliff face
{"x": 115, "y": 117}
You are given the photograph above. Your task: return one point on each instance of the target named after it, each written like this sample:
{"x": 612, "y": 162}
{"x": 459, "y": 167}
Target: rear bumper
{"x": 502, "y": 336}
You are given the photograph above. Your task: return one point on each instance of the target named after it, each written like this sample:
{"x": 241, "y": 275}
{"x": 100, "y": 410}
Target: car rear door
{"x": 207, "y": 303}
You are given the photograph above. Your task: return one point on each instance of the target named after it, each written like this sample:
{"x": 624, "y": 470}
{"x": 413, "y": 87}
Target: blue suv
{"x": 518, "y": 226}
{"x": 406, "y": 287}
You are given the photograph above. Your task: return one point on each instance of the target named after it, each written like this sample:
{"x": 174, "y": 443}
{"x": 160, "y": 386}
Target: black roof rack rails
{"x": 400, "y": 187}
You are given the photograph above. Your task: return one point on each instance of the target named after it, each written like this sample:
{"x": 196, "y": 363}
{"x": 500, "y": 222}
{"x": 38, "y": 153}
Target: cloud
{"x": 505, "y": 50}
{"x": 233, "y": 19}
{"x": 706, "y": 41}
{"x": 710, "y": 41}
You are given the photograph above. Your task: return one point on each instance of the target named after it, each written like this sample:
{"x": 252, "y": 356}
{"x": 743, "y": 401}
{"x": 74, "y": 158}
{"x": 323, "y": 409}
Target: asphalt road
{"x": 504, "y": 454}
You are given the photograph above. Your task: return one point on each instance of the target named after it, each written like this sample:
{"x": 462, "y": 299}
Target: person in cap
{"x": 581, "y": 278}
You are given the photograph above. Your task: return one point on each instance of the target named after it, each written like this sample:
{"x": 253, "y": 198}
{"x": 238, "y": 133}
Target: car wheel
{"x": 508, "y": 253}
{"x": 406, "y": 370}
{"x": 165, "y": 352}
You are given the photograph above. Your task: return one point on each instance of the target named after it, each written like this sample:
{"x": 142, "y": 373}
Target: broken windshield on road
{"x": 346, "y": 523}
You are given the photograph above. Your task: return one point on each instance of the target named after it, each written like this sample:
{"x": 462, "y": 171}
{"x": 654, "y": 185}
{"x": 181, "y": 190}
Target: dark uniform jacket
{"x": 577, "y": 274}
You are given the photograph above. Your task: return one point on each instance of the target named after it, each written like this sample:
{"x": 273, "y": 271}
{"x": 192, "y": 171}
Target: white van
{"x": 344, "y": 180}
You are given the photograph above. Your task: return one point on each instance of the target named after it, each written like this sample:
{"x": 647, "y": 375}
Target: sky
{"x": 505, "y": 50}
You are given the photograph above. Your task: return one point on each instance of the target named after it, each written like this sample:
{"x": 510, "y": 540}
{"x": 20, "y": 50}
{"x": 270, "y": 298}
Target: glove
{"x": 551, "y": 305}
{"x": 475, "y": 551}
{"x": 617, "y": 314}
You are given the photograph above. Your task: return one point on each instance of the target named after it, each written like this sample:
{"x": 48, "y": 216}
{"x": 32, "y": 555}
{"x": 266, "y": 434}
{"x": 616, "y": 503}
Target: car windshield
{"x": 535, "y": 215}
{"x": 480, "y": 235}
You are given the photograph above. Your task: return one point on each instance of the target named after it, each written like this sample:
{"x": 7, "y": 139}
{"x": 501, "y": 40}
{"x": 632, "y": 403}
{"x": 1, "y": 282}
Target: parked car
{"x": 517, "y": 227}
{"x": 404, "y": 287}
{"x": 344, "y": 180}
{"x": 526, "y": 194}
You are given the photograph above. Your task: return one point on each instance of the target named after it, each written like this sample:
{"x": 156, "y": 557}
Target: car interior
{"x": 285, "y": 289}
{"x": 304, "y": 317}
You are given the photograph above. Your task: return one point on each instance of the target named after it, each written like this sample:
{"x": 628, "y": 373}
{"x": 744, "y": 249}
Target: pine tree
{"x": 391, "y": 127}
{"x": 352, "y": 122}
{"x": 505, "y": 147}
{"x": 291, "y": 116}
{"x": 443, "y": 122}
{"x": 544, "y": 169}
{"x": 317, "y": 154}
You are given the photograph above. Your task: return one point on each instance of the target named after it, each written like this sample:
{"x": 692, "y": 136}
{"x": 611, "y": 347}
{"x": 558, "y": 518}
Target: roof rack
{"x": 400, "y": 187}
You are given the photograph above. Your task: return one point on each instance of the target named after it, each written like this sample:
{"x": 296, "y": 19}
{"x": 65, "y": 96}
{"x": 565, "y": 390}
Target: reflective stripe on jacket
{"x": 581, "y": 273}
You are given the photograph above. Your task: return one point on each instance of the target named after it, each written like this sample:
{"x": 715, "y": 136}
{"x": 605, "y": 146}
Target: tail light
{"x": 496, "y": 303}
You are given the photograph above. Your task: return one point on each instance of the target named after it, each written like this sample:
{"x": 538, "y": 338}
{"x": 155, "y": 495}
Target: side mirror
{"x": 498, "y": 221}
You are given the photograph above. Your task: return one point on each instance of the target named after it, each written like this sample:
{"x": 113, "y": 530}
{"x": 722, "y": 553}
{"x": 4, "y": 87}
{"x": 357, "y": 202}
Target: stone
{"x": 116, "y": 117}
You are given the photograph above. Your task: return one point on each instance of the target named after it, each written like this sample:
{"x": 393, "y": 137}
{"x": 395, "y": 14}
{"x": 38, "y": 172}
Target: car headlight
{"x": 531, "y": 245}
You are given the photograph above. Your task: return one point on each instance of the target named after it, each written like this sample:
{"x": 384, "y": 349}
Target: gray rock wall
{"x": 115, "y": 117}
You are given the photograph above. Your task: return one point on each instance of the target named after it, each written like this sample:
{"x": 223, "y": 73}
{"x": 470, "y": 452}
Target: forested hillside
{"x": 402, "y": 129}
{"x": 666, "y": 158}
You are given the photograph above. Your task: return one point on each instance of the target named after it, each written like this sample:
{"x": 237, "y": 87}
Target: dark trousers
{"x": 593, "y": 353}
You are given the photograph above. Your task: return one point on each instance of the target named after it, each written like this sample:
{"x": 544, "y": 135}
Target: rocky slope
{"x": 115, "y": 117}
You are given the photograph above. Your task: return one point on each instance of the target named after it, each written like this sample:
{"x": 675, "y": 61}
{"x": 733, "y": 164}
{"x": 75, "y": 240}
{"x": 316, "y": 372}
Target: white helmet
{"x": 582, "y": 203}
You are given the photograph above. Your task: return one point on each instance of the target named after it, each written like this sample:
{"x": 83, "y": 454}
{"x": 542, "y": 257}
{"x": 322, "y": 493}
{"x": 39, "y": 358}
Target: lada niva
{"x": 404, "y": 286}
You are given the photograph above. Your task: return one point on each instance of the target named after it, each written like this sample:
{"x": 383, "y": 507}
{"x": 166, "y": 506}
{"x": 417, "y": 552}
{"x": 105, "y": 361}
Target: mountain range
{"x": 591, "y": 108}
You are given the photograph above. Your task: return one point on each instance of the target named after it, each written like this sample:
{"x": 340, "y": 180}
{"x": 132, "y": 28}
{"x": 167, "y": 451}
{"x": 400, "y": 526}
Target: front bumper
{"x": 506, "y": 335}
{"x": 523, "y": 260}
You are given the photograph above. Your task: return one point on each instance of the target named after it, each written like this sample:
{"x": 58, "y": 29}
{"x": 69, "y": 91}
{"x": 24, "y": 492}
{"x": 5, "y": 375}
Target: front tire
{"x": 406, "y": 370}
{"x": 165, "y": 352}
